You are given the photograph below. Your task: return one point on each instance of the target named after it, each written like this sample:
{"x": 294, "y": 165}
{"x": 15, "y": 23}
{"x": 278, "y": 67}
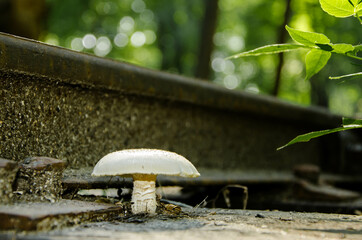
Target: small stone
{"x": 8, "y": 170}
{"x": 259, "y": 215}
{"x": 44, "y": 163}
{"x": 40, "y": 179}
{"x": 220, "y": 223}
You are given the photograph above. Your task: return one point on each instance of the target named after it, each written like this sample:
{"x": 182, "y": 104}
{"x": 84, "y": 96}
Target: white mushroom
{"x": 143, "y": 165}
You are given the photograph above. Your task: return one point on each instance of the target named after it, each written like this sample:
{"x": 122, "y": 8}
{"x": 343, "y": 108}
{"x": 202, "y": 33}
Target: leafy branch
{"x": 320, "y": 51}
{"x": 343, "y": 8}
{"x": 347, "y": 76}
{"x": 348, "y": 124}
{"x": 319, "y": 45}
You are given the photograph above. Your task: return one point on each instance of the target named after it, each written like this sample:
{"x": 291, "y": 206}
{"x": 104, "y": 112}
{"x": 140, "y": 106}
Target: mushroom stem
{"x": 144, "y": 194}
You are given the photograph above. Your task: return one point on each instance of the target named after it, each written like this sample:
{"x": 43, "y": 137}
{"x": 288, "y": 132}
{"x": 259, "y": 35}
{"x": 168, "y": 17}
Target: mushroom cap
{"x": 144, "y": 161}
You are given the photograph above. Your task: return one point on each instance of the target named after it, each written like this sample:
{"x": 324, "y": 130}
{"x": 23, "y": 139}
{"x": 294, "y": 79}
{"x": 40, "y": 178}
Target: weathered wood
{"x": 47, "y": 216}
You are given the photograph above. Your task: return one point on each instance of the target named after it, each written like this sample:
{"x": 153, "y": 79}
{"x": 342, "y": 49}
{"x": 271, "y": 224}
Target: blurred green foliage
{"x": 129, "y": 30}
{"x": 166, "y": 35}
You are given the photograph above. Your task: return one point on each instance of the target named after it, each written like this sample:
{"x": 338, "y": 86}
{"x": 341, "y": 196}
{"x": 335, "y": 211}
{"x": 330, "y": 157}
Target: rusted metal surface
{"x": 308, "y": 172}
{"x": 77, "y": 107}
{"x": 309, "y": 186}
{"x": 268, "y": 190}
{"x": 62, "y": 65}
{"x": 319, "y": 192}
{"x": 82, "y": 179}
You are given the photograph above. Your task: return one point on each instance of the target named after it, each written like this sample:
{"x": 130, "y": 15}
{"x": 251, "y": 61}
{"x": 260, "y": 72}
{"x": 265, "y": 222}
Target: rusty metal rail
{"x": 59, "y": 64}
{"x": 77, "y": 107}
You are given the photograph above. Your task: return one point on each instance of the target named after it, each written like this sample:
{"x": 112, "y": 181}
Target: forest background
{"x": 172, "y": 35}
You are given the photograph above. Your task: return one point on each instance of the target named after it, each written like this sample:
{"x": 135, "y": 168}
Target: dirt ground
{"x": 206, "y": 224}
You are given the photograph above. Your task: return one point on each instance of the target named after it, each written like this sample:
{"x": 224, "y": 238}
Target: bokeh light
{"x": 89, "y": 41}
{"x": 138, "y": 39}
{"x": 103, "y": 46}
{"x": 121, "y": 40}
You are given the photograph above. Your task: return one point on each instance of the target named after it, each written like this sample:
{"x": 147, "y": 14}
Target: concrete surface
{"x": 213, "y": 224}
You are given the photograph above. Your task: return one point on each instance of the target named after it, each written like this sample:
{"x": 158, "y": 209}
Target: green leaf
{"x": 358, "y": 9}
{"x": 357, "y": 48}
{"x": 339, "y": 8}
{"x": 307, "y": 38}
{"x": 325, "y": 47}
{"x": 269, "y": 49}
{"x": 308, "y": 136}
{"x": 351, "y": 121}
{"x": 342, "y": 48}
{"x": 315, "y": 60}
{"x": 347, "y": 76}
{"x": 353, "y": 54}
{"x": 347, "y": 125}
